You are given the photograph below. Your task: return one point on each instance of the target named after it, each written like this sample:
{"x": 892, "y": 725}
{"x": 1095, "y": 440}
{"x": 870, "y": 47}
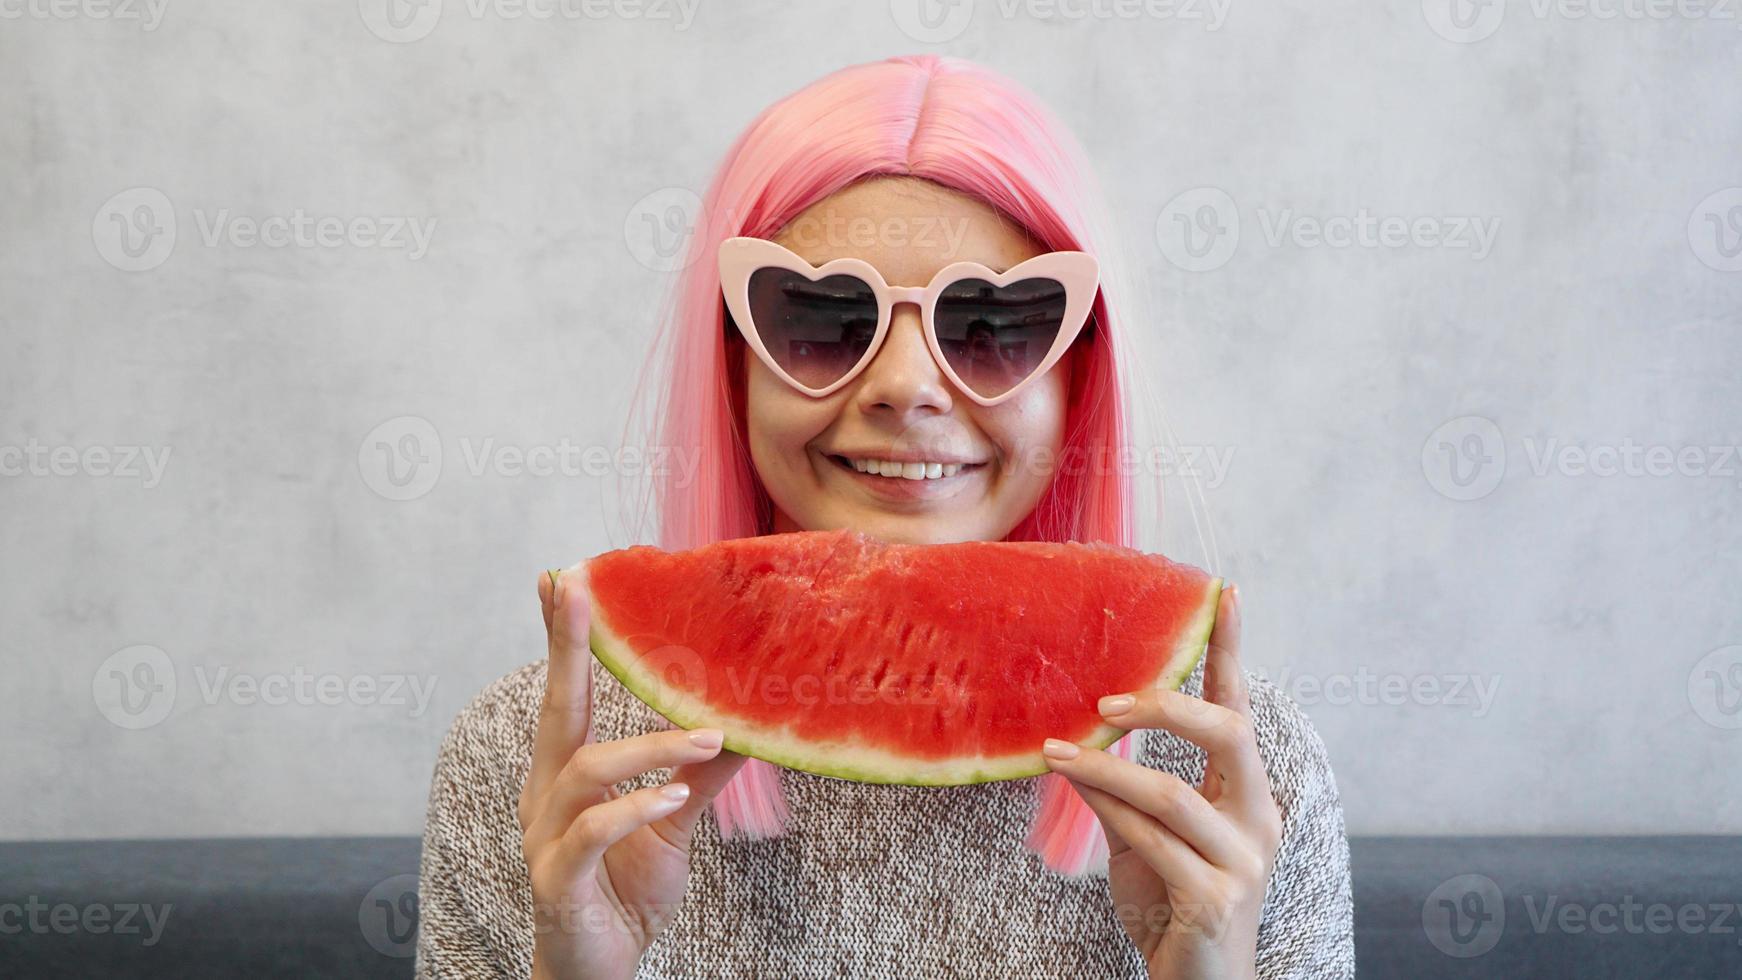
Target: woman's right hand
{"x": 608, "y": 869}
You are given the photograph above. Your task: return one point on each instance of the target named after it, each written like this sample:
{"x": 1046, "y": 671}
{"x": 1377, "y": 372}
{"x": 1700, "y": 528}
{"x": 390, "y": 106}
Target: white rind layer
{"x": 845, "y": 760}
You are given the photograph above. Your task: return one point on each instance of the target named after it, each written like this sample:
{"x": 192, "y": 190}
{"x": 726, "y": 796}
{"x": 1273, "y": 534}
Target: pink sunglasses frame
{"x": 1078, "y": 272}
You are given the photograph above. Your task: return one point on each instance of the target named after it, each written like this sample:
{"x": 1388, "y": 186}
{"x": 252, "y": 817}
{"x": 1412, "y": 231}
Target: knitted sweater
{"x": 869, "y": 880}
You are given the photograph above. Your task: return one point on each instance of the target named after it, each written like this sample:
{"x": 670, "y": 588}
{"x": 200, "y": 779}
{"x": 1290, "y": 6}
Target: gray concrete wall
{"x": 1455, "y": 289}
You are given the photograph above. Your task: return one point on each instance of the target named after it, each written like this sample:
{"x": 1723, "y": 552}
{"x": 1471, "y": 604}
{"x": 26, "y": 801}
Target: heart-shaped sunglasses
{"x": 991, "y": 333}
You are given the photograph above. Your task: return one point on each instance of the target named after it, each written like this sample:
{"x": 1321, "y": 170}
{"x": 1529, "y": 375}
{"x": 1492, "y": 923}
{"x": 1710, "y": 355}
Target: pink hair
{"x": 959, "y": 125}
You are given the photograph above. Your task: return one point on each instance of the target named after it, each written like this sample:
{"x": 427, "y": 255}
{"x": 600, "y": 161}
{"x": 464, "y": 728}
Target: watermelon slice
{"x": 838, "y": 654}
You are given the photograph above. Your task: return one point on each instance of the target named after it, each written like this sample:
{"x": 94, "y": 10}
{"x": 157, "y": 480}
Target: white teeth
{"x": 906, "y": 471}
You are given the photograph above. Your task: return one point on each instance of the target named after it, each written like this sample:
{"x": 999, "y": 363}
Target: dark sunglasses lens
{"x": 995, "y": 336}
{"x": 816, "y": 331}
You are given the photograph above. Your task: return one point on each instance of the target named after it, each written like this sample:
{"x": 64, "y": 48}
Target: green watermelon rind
{"x": 868, "y": 764}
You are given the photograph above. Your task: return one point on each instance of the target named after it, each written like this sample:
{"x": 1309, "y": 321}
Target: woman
{"x": 1208, "y": 844}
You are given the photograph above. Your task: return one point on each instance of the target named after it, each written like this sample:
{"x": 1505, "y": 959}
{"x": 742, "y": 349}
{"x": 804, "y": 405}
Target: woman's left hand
{"x": 1188, "y": 866}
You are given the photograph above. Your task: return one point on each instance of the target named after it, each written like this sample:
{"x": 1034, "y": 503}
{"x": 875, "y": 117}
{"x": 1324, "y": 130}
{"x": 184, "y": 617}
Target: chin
{"x": 911, "y": 528}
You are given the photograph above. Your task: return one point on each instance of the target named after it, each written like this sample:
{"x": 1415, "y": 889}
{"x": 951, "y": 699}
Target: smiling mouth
{"x": 915, "y": 471}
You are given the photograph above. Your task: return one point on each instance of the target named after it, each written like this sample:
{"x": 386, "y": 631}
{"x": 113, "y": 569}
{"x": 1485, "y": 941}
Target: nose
{"x": 903, "y": 380}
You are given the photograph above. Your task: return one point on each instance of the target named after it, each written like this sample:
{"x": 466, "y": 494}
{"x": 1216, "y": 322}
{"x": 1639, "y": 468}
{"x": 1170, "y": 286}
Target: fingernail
{"x": 561, "y": 581}
{"x": 1057, "y": 749}
{"x": 1117, "y": 704}
{"x": 707, "y": 738}
{"x": 675, "y": 792}
{"x": 1234, "y": 591}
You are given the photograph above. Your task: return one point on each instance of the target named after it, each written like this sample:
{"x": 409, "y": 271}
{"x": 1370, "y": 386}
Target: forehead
{"x": 908, "y": 229}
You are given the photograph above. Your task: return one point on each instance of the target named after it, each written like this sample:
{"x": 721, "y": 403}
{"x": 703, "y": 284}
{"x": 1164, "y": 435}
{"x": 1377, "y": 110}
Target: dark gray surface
{"x": 1594, "y": 876}
{"x": 337, "y": 907}
{"x": 238, "y": 908}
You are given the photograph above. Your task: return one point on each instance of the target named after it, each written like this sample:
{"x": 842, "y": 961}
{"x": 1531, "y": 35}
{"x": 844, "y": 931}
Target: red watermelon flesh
{"x": 838, "y": 654}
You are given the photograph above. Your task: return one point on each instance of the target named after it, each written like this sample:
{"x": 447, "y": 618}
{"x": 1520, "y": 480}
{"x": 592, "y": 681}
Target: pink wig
{"x": 961, "y": 126}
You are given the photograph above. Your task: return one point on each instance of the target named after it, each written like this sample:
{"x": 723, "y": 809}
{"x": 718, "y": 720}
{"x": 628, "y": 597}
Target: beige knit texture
{"x": 870, "y": 880}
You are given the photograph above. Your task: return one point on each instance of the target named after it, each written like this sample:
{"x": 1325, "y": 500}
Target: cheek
{"x": 1031, "y": 427}
{"x": 781, "y": 423}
